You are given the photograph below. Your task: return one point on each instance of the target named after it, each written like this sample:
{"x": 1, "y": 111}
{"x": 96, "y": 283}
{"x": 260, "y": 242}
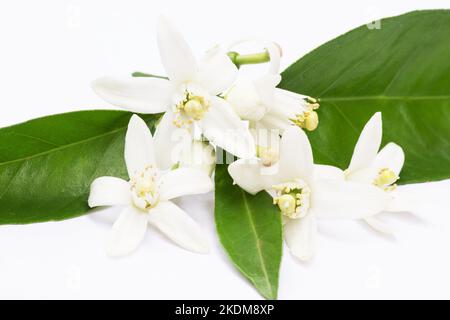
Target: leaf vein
{"x": 63, "y": 147}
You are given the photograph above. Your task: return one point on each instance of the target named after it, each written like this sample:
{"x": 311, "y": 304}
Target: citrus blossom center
{"x": 386, "y": 179}
{"x": 144, "y": 188}
{"x": 268, "y": 156}
{"x": 293, "y": 198}
{"x": 191, "y": 108}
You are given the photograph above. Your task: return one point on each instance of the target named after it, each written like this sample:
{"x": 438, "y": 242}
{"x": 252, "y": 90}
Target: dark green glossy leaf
{"x": 47, "y": 164}
{"x": 401, "y": 69}
{"x": 249, "y": 229}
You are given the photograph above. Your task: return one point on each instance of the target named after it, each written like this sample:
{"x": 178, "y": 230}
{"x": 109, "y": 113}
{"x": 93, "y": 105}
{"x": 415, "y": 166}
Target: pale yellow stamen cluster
{"x": 292, "y": 199}
{"x": 144, "y": 188}
{"x": 191, "y": 108}
{"x": 309, "y": 118}
{"x": 268, "y": 156}
{"x": 386, "y": 179}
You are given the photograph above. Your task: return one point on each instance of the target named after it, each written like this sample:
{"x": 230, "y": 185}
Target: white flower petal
{"x": 273, "y": 120}
{"x": 275, "y": 57}
{"x": 403, "y": 202}
{"x": 199, "y": 155}
{"x": 246, "y": 101}
{"x": 139, "y": 94}
{"x": 216, "y": 71}
{"x": 184, "y": 181}
{"x": 391, "y": 156}
{"x": 222, "y": 126}
{"x": 251, "y": 176}
{"x": 345, "y": 199}
{"x": 267, "y": 138}
{"x": 286, "y": 106}
{"x": 296, "y": 159}
{"x": 170, "y": 141}
{"x": 178, "y": 226}
{"x": 368, "y": 144}
{"x": 300, "y": 236}
{"x": 366, "y": 175}
{"x": 109, "y": 191}
{"x": 265, "y": 86}
{"x": 325, "y": 172}
{"x": 251, "y": 100}
{"x": 379, "y": 225}
{"x": 139, "y": 149}
{"x": 289, "y": 103}
{"x": 127, "y": 232}
{"x": 176, "y": 55}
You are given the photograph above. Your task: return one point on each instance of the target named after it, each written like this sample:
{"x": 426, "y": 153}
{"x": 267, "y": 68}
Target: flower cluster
{"x": 253, "y": 120}
{"x": 305, "y": 191}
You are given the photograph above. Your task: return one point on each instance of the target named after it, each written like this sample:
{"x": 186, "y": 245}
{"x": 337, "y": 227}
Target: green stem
{"x": 236, "y": 58}
{"x": 254, "y": 58}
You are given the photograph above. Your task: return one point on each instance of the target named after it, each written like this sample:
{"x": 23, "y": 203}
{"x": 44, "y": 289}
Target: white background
{"x": 50, "y": 52}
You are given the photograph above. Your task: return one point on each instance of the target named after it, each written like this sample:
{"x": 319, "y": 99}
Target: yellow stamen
{"x": 386, "y": 179}
{"x": 195, "y": 108}
{"x": 308, "y": 119}
{"x": 144, "y": 188}
{"x": 192, "y": 108}
{"x": 292, "y": 199}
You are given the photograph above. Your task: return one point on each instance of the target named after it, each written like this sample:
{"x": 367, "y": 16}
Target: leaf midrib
{"x": 63, "y": 147}
{"x": 381, "y": 97}
{"x": 255, "y": 232}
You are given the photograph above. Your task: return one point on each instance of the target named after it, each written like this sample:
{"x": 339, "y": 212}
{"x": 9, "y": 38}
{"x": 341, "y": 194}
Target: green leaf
{"x": 249, "y": 229}
{"x": 139, "y": 74}
{"x": 401, "y": 69}
{"x": 48, "y": 164}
